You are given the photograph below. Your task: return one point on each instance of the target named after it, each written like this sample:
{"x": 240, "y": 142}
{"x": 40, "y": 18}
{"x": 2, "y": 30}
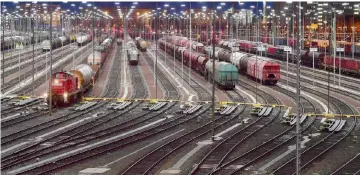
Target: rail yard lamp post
{"x": 298, "y": 166}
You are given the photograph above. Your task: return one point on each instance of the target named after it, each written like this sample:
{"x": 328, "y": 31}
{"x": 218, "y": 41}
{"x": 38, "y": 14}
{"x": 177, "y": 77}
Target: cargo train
{"x": 10, "y": 42}
{"x": 141, "y": 44}
{"x": 260, "y": 68}
{"x": 57, "y": 42}
{"x": 69, "y": 86}
{"x": 226, "y": 75}
{"x": 263, "y": 69}
{"x": 348, "y": 65}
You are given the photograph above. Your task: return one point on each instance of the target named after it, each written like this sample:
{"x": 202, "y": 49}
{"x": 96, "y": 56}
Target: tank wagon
{"x": 141, "y": 44}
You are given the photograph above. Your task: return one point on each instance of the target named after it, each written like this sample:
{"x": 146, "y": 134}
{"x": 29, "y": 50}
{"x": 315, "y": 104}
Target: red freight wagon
{"x": 350, "y": 65}
{"x": 200, "y": 65}
{"x": 266, "y": 70}
{"x": 272, "y": 50}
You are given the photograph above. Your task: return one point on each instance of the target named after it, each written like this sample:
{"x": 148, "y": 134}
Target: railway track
{"x": 314, "y": 152}
{"x": 147, "y": 163}
{"x": 13, "y": 109}
{"x": 349, "y": 167}
{"x": 340, "y": 106}
{"x": 333, "y": 89}
{"x": 37, "y": 59}
{"x": 21, "y": 118}
{"x": 9, "y": 56}
{"x": 171, "y": 93}
{"x": 263, "y": 150}
{"x": 202, "y": 93}
{"x": 235, "y": 96}
{"x": 228, "y": 146}
{"x": 68, "y": 116}
{"x": 318, "y": 71}
{"x": 112, "y": 91}
{"x": 42, "y": 79}
{"x": 325, "y": 144}
{"x": 14, "y": 60}
{"x": 28, "y": 74}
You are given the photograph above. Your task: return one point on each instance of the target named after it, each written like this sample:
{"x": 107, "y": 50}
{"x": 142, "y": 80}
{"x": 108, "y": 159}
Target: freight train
{"x": 265, "y": 70}
{"x": 259, "y": 68}
{"x": 141, "y": 44}
{"x": 10, "y": 42}
{"x": 69, "y": 86}
{"x": 57, "y": 42}
{"x": 348, "y": 65}
{"x": 226, "y": 74}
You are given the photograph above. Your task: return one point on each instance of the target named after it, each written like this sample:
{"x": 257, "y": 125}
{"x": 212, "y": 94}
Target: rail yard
{"x": 173, "y": 88}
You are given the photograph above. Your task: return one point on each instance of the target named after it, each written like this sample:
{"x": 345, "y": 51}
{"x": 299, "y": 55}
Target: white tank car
{"x": 84, "y": 74}
{"x": 81, "y": 39}
{"x": 133, "y": 57}
{"x": 94, "y": 58}
{"x": 46, "y": 45}
{"x": 63, "y": 40}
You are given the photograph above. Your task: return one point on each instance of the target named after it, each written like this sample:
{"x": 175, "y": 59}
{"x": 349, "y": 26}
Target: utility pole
{"x": 213, "y": 79}
{"x": 33, "y": 55}
{"x": 50, "y": 80}
{"x": 156, "y": 54}
{"x": 298, "y": 167}
{"x": 190, "y": 47}
{"x": 94, "y": 35}
{"x": 3, "y": 54}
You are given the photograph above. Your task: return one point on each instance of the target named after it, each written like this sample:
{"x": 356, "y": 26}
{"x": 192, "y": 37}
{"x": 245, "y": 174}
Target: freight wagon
{"x": 226, "y": 75}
